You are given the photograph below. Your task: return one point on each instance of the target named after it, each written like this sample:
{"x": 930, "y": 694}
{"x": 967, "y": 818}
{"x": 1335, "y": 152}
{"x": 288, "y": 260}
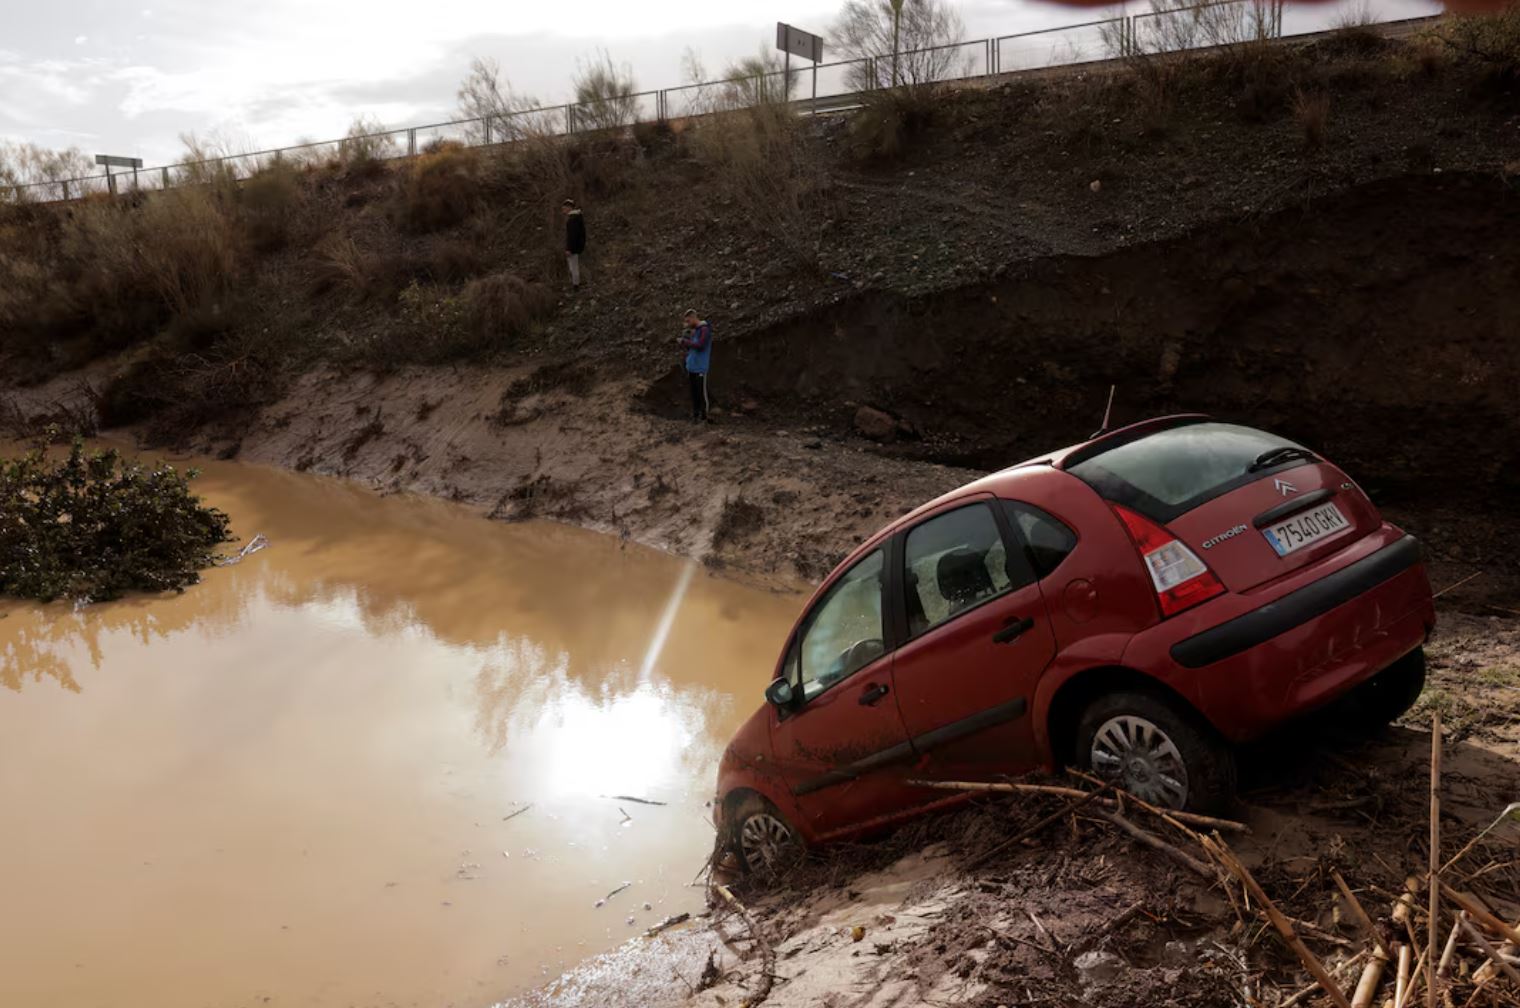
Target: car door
{"x": 975, "y": 639}
{"x": 840, "y": 745}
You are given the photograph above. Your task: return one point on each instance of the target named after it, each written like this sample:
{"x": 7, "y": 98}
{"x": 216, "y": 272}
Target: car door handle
{"x": 1012, "y": 630}
{"x": 873, "y": 694}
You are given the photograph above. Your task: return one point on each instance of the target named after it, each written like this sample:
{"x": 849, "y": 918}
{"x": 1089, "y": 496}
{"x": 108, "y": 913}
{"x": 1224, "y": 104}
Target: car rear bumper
{"x": 1306, "y": 644}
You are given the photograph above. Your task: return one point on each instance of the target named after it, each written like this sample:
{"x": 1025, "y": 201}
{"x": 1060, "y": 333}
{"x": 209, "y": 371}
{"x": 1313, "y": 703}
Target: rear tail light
{"x": 1181, "y": 579}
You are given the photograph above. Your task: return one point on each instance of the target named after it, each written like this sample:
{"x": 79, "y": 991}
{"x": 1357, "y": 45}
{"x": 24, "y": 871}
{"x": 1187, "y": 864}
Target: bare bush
{"x": 1179, "y": 25}
{"x": 757, "y": 80}
{"x": 604, "y": 95}
{"x": 365, "y": 147}
{"x": 1492, "y": 41}
{"x": 1312, "y": 111}
{"x": 899, "y": 42}
{"x": 23, "y": 165}
{"x": 440, "y": 189}
{"x": 502, "y": 307}
{"x": 757, "y": 158}
{"x": 501, "y": 114}
{"x": 272, "y": 200}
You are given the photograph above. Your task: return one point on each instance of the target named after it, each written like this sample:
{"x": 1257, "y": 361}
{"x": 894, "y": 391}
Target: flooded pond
{"x": 296, "y": 783}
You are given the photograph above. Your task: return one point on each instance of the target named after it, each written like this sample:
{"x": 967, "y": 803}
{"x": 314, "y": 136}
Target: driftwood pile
{"x": 1437, "y": 943}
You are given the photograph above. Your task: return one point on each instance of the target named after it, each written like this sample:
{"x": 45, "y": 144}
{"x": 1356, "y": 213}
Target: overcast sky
{"x": 111, "y": 76}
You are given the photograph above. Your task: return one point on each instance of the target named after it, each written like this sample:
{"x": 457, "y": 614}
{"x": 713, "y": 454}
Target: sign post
{"x": 112, "y": 160}
{"x": 804, "y": 44}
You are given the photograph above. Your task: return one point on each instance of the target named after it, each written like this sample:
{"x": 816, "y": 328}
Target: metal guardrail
{"x": 831, "y": 86}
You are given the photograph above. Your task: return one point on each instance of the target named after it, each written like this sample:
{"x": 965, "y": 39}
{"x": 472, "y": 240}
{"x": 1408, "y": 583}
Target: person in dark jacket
{"x": 698, "y": 343}
{"x": 575, "y": 240}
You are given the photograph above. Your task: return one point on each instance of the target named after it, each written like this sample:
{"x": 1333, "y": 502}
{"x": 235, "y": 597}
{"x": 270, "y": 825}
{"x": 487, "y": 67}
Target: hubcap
{"x": 1139, "y": 757}
{"x": 765, "y": 841}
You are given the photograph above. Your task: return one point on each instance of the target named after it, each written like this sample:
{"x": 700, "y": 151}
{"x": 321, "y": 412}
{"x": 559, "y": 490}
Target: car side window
{"x": 953, "y": 562}
{"x": 1049, "y": 539}
{"x": 844, "y": 632}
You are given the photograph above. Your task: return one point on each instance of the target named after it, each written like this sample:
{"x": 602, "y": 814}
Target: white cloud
{"x": 81, "y": 39}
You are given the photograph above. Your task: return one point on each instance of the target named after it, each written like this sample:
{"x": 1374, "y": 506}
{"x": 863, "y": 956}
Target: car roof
{"x": 1005, "y": 480}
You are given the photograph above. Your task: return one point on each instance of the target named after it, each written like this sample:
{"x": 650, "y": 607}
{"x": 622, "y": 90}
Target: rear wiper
{"x": 1274, "y": 456}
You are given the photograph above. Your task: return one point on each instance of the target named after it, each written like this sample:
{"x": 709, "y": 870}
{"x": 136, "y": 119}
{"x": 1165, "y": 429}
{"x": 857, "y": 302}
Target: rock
{"x": 875, "y": 424}
{"x": 1096, "y": 185}
{"x": 1097, "y": 967}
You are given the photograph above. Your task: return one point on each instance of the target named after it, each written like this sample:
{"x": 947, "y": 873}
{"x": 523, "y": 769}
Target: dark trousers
{"x": 698, "y": 395}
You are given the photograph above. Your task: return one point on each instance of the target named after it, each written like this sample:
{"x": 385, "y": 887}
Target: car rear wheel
{"x": 1380, "y": 701}
{"x": 760, "y": 837}
{"x": 1161, "y": 754}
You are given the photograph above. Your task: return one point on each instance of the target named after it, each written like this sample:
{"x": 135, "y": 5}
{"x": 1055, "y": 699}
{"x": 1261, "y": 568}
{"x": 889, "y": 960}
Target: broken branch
{"x": 1153, "y": 841}
{"x": 1192, "y": 818}
{"x": 1216, "y": 846}
{"x": 768, "y": 954}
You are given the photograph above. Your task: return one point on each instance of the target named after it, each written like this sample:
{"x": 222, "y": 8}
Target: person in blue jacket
{"x": 698, "y": 343}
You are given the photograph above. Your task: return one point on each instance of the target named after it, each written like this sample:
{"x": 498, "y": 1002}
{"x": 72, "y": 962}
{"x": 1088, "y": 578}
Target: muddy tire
{"x": 1158, "y": 751}
{"x": 1380, "y": 701}
{"x": 760, "y": 838}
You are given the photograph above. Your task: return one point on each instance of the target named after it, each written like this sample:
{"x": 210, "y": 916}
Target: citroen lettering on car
{"x": 1221, "y": 537}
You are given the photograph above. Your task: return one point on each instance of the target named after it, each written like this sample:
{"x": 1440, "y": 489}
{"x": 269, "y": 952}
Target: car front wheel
{"x": 760, "y": 837}
{"x": 1160, "y": 754}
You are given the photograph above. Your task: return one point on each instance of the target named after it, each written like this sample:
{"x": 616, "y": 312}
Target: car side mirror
{"x": 779, "y": 693}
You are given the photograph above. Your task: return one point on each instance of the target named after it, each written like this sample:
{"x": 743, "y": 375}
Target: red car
{"x": 1137, "y": 604}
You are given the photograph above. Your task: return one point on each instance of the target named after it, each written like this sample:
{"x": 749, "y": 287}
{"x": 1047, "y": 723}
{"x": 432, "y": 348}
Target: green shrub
{"x": 94, "y": 526}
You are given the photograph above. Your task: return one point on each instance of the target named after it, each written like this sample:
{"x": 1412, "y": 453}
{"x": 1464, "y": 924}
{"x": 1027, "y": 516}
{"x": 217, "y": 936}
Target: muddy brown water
{"x": 295, "y": 783}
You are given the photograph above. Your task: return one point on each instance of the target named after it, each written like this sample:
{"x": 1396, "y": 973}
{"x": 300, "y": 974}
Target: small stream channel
{"x": 296, "y": 783}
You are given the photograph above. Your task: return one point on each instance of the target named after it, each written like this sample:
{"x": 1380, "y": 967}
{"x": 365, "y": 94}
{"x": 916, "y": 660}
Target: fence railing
{"x": 824, "y": 87}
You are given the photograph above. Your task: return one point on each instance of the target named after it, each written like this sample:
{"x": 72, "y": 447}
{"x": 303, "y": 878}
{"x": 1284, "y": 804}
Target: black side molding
{"x": 920, "y": 744}
{"x": 1260, "y": 625}
{"x": 1281, "y": 511}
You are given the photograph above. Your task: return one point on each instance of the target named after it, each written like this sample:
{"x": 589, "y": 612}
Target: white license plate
{"x": 1306, "y": 529}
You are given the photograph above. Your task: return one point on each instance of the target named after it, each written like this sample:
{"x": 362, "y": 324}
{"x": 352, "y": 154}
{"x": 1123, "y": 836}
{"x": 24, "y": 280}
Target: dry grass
{"x": 501, "y": 308}
{"x": 759, "y": 160}
{"x": 883, "y": 129}
{"x": 439, "y": 189}
{"x": 1311, "y": 109}
{"x": 272, "y": 201}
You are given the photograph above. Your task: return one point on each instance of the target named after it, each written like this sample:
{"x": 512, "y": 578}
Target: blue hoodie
{"x": 698, "y": 348}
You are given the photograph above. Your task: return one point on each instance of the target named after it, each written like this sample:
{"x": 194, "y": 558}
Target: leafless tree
{"x": 24, "y": 163}
{"x": 604, "y": 94}
{"x": 757, "y": 80}
{"x": 900, "y": 42}
{"x": 501, "y": 114}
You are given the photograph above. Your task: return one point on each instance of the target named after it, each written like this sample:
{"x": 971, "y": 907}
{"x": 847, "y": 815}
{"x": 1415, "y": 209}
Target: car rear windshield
{"x": 1170, "y": 472}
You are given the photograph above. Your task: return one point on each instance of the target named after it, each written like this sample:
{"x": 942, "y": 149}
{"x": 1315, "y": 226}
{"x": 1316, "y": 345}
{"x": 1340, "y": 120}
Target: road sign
{"x": 113, "y": 161}
{"x": 798, "y": 42}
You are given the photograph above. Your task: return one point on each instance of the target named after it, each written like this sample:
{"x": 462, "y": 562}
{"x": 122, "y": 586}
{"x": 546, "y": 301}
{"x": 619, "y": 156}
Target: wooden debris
{"x": 1451, "y": 944}
{"x": 640, "y": 801}
{"x": 668, "y": 922}
{"x": 1488, "y": 950}
{"x": 1433, "y": 922}
{"x": 1222, "y": 854}
{"x": 768, "y": 954}
{"x": 1478, "y": 912}
{"x": 1191, "y": 818}
{"x": 1359, "y": 912}
{"x": 1153, "y": 841}
{"x": 1030, "y": 831}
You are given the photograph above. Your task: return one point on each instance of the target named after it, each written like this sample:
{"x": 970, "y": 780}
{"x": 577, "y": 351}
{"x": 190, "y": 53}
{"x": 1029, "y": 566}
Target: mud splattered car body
{"x": 1137, "y": 604}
